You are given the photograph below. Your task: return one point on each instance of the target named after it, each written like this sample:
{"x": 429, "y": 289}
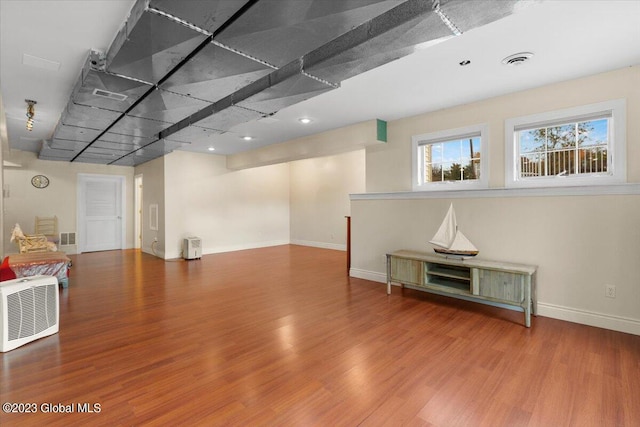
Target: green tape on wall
{"x": 382, "y": 131}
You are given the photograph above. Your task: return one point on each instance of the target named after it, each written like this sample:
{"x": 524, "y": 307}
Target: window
{"x": 450, "y": 160}
{"x": 579, "y": 146}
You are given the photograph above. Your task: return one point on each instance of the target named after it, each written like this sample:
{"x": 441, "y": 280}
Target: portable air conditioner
{"x": 192, "y": 248}
{"x": 29, "y": 309}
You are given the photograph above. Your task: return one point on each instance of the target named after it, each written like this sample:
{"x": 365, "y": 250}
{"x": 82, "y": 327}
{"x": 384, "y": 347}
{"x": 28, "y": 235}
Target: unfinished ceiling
{"x": 178, "y": 70}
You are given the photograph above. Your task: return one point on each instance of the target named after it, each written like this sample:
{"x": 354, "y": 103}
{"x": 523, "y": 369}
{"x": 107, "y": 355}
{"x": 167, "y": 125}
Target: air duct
{"x": 179, "y": 69}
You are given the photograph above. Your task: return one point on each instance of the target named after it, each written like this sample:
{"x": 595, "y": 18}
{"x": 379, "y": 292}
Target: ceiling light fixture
{"x": 31, "y": 111}
{"x": 211, "y": 149}
{"x": 305, "y": 120}
{"x": 517, "y": 58}
{"x": 247, "y": 138}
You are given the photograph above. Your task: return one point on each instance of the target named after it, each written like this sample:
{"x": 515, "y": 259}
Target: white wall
{"x": 23, "y": 202}
{"x": 228, "y": 210}
{"x": 320, "y": 191}
{"x": 579, "y": 242}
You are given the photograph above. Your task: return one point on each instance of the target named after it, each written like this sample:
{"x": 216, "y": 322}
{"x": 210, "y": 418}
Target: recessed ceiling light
{"x": 211, "y": 149}
{"x": 247, "y": 138}
{"x": 465, "y": 62}
{"x": 305, "y": 120}
{"x": 517, "y": 58}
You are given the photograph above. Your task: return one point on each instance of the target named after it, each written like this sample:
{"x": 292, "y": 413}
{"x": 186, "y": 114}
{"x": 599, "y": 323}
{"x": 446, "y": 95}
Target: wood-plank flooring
{"x": 281, "y": 336}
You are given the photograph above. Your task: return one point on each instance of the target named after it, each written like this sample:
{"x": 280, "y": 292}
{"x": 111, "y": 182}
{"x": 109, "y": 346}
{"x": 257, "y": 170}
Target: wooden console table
{"x": 489, "y": 282}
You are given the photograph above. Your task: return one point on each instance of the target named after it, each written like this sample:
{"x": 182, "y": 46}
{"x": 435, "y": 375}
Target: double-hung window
{"x": 578, "y": 146}
{"x": 450, "y": 160}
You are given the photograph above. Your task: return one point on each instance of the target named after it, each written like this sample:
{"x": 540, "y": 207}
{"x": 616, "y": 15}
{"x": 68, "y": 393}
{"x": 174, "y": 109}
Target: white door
{"x": 100, "y": 212}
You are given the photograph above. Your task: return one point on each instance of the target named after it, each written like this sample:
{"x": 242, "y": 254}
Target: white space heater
{"x": 192, "y": 248}
{"x": 29, "y": 309}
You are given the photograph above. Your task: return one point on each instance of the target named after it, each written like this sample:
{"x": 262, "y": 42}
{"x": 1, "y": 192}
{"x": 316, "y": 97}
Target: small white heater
{"x": 192, "y": 248}
{"x": 29, "y": 309}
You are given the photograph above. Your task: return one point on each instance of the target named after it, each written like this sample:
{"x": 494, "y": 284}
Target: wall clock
{"x": 40, "y": 181}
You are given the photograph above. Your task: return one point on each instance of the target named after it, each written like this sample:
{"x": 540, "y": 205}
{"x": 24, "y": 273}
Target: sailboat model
{"x": 450, "y": 241}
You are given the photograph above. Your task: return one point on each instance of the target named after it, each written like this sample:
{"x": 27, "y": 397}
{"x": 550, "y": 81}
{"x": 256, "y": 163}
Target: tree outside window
{"x": 568, "y": 149}
{"x": 451, "y": 159}
{"x": 454, "y": 160}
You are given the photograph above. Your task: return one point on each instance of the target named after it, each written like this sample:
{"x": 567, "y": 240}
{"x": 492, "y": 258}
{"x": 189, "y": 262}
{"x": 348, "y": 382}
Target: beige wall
{"x": 23, "y": 202}
{"x": 336, "y": 141}
{"x": 228, "y": 210}
{"x": 320, "y": 191}
{"x": 4, "y": 145}
{"x": 152, "y": 193}
{"x": 303, "y": 201}
{"x": 579, "y": 242}
{"x": 389, "y": 165}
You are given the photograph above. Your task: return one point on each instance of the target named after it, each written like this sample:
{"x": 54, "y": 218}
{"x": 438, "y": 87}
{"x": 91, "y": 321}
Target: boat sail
{"x": 450, "y": 241}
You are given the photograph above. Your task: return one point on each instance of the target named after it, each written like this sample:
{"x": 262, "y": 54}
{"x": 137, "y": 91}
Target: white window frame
{"x": 616, "y": 150}
{"x": 447, "y": 135}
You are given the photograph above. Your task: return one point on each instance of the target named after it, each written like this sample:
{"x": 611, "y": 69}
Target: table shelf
{"x": 489, "y": 282}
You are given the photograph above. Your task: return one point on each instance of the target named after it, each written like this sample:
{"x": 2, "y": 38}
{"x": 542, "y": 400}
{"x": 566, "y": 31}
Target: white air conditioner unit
{"x": 192, "y": 248}
{"x": 29, "y": 309}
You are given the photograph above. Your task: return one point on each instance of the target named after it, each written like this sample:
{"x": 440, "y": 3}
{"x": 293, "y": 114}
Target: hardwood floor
{"x": 281, "y": 336}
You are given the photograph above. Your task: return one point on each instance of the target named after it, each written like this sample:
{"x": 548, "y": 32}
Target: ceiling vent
{"x": 111, "y": 95}
{"x": 517, "y": 59}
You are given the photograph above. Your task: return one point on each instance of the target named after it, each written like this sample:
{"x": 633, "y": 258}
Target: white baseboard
{"x": 256, "y": 245}
{"x": 323, "y": 245}
{"x": 220, "y": 249}
{"x": 374, "y": 276}
{"x": 245, "y": 246}
{"x": 599, "y": 320}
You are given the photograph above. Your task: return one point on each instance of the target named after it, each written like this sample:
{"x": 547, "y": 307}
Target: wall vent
{"x": 517, "y": 59}
{"x": 67, "y": 239}
{"x": 111, "y": 95}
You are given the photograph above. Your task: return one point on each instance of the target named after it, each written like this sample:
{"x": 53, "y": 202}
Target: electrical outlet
{"x": 609, "y": 291}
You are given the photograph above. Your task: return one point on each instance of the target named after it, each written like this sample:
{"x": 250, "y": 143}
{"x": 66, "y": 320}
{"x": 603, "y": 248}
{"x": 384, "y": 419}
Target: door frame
{"x": 81, "y": 224}
{"x": 137, "y": 212}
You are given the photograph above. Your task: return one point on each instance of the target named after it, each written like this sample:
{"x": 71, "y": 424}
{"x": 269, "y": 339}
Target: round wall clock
{"x": 40, "y": 181}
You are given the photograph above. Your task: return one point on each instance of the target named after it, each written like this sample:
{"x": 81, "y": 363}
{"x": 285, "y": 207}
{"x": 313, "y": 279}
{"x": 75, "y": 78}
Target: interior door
{"x": 101, "y": 212}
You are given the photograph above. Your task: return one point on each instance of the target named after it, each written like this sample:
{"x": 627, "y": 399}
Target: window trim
{"x": 616, "y": 149}
{"x": 446, "y": 135}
